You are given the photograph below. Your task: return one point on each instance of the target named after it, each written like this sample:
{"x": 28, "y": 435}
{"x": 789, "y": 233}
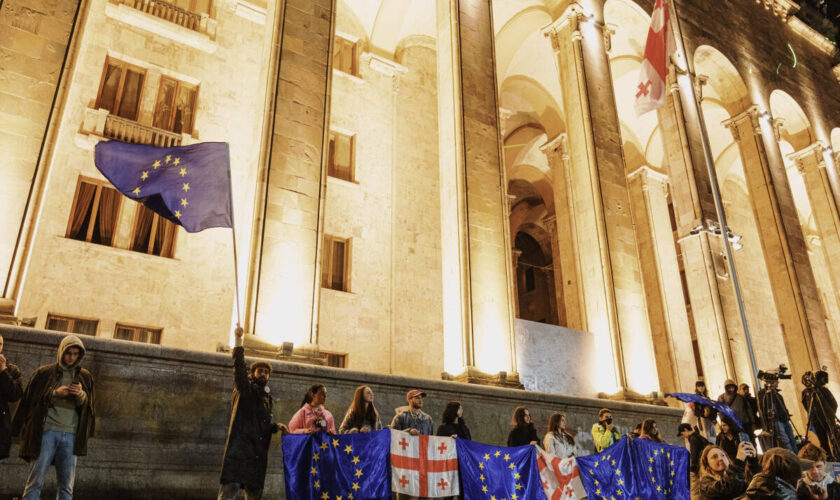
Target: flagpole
{"x": 235, "y": 271}
{"x": 710, "y": 166}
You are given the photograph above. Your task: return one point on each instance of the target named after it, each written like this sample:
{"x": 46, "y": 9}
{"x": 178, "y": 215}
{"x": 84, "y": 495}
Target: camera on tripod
{"x": 779, "y": 373}
{"x": 818, "y": 379}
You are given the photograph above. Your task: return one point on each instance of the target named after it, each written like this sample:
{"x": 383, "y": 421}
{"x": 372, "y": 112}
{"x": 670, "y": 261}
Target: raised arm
{"x": 240, "y": 372}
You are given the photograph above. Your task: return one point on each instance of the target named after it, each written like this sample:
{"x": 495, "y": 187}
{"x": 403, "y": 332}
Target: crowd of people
{"x": 55, "y": 418}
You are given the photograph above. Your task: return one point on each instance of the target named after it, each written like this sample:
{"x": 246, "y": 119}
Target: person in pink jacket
{"x": 312, "y": 416}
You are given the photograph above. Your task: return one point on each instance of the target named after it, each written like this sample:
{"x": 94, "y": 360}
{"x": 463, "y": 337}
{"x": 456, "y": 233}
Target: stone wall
{"x": 162, "y": 414}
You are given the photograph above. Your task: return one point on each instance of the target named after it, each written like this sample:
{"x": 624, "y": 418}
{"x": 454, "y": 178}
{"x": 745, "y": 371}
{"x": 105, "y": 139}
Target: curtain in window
{"x": 184, "y": 110}
{"x": 58, "y": 324}
{"x": 85, "y": 327}
{"x": 338, "y": 266}
{"x": 165, "y": 240}
{"x": 130, "y": 102}
{"x": 163, "y": 107}
{"x": 109, "y": 205}
{"x": 80, "y": 217}
{"x": 142, "y": 229}
{"x": 110, "y": 86}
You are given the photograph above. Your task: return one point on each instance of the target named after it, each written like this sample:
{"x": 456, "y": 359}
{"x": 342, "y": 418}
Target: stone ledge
{"x": 133, "y": 17}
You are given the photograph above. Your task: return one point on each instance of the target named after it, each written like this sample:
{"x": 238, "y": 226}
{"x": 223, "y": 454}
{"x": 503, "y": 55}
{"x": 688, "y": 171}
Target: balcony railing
{"x": 135, "y": 133}
{"x": 168, "y": 12}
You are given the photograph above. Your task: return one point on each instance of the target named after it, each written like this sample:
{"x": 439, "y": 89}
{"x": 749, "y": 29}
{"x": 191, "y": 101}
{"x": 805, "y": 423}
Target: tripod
{"x": 830, "y": 438}
{"x": 770, "y": 437}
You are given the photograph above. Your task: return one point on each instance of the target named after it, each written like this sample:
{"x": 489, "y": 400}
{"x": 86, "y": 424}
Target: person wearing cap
{"x": 739, "y": 405}
{"x": 413, "y": 419}
{"x": 696, "y": 444}
{"x": 249, "y": 434}
{"x": 706, "y": 415}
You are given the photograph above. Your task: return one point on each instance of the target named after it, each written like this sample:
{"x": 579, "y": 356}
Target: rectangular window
{"x": 70, "y": 324}
{"x": 138, "y": 334}
{"x": 121, "y": 89}
{"x": 334, "y": 359}
{"x": 93, "y": 217}
{"x": 194, "y": 6}
{"x": 175, "y": 106}
{"x": 334, "y": 263}
{"x": 153, "y": 234}
{"x": 341, "y": 156}
{"x": 344, "y": 56}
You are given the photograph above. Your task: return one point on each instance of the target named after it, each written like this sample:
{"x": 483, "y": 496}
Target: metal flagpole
{"x": 235, "y": 271}
{"x": 724, "y": 228}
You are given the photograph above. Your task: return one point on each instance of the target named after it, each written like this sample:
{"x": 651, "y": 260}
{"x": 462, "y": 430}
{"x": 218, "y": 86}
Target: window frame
{"x": 100, "y": 184}
{"x": 120, "y": 86}
{"x": 327, "y": 263}
{"x": 72, "y": 322}
{"x": 343, "y": 356}
{"x": 178, "y": 84}
{"x": 332, "y": 154}
{"x": 156, "y": 217}
{"x": 354, "y": 45}
{"x": 191, "y": 8}
{"x": 136, "y": 329}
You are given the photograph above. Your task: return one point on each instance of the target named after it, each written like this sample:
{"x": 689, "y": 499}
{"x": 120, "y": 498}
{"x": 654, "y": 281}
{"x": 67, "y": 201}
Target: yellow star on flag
{"x": 178, "y": 216}
{"x": 486, "y": 456}
{"x": 481, "y": 476}
{"x": 349, "y": 496}
{"x": 516, "y": 476}
{"x": 316, "y": 457}
{"x": 514, "y": 497}
{"x": 184, "y": 202}
{"x": 497, "y": 454}
{"x": 176, "y": 162}
{"x": 323, "y": 446}
{"x": 613, "y": 463}
{"x": 617, "y": 472}
{"x": 518, "y": 486}
{"x": 650, "y": 459}
{"x": 335, "y": 442}
{"x": 144, "y": 175}
{"x": 619, "y": 493}
{"x": 596, "y": 464}
{"x": 492, "y": 497}
{"x": 355, "y": 486}
{"x": 507, "y": 457}
{"x": 596, "y": 482}
{"x": 359, "y": 473}
{"x": 338, "y": 497}
{"x": 317, "y": 485}
{"x": 659, "y": 488}
{"x": 314, "y": 471}
{"x": 355, "y": 460}
{"x": 136, "y": 191}
{"x": 484, "y": 489}
{"x": 168, "y": 157}
{"x": 186, "y": 186}
{"x": 156, "y": 164}
{"x": 480, "y": 465}
{"x": 511, "y": 466}
{"x": 620, "y": 482}
{"x": 325, "y": 495}
{"x": 183, "y": 171}
{"x": 348, "y": 449}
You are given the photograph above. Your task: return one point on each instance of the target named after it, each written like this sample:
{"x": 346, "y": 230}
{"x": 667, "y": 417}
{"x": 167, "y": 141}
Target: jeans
{"x": 786, "y": 437}
{"x": 229, "y": 491}
{"x": 55, "y": 446}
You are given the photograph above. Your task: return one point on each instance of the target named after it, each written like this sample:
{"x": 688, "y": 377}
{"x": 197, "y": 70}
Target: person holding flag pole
{"x": 665, "y": 29}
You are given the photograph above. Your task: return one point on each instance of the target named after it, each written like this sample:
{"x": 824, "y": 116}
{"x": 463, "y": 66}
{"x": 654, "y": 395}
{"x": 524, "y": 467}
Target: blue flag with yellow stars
{"x": 608, "y": 475}
{"x": 661, "y": 470}
{"x": 498, "y": 473}
{"x": 344, "y": 467}
{"x": 188, "y": 185}
{"x": 722, "y": 408}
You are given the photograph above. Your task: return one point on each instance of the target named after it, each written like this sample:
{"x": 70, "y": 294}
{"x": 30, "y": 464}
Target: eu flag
{"x": 346, "y": 467}
{"x": 189, "y": 185}
{"x": 489, "y": 472}
{"x": 717, "y": 405}
{"x": 609, "y": 474}
{"x": 661, "y": 470}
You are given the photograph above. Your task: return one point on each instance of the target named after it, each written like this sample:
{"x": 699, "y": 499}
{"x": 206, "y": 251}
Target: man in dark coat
{"x": 739, "y": 405}
{"x": 696, "y": 444}
{"x": 822, "y": 405}
{"x": 11, "y": 390}
{"x": 249, "y": 435}
{"x": 55, "y": 419}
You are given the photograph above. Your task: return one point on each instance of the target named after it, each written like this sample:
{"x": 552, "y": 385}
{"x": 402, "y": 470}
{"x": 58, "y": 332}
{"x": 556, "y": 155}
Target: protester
{"x": 362, "y": 415}
{"x": 637, "y": 431}
{"x": 312, "y": 416}
{"x": 696, "y": 444}
{"x": 250, "y": 429}
{"x": 55, "y": 419}
{"x": 772, "y": 405}
{"x": 557, "y": 440}
{"x": 452, "y": 422}
{"x": 604, "y": 433}
{"x": 11, "y": 390}
{"x": 719, "y": 477}
{"x": 522, "y": 430}
{"x": 650, "y": 431}
{"x": 728, "y": 438}
{"x": 822, "y": 406}
{"x": 706, "y": 415}
{"x": 816, "y": 475}
{"x": 413, "y": 419}
{"x": 780, "y": 472}
{"x": 739, "y": 405}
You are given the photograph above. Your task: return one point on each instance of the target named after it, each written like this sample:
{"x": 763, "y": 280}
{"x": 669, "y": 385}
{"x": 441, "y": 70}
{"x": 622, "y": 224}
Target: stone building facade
{"x": 436, "y": 186}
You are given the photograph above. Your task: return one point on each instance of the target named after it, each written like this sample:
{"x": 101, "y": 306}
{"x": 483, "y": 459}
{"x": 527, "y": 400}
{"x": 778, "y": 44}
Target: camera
{"x": 818, "y": 379}
{"x": 779, "y": 373}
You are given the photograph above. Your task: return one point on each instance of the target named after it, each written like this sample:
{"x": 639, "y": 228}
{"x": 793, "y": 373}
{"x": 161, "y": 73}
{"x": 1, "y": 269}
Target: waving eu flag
{"x": 189, "y": 185}
{"x": 346, "y": 467}
{"x": 661, "y": 470}
{"x": 495, "y": 472}
{"x": 609, "y": 474}
{"x": 717, "y": 405}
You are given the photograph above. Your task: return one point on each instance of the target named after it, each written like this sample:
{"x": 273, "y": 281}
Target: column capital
{"x": 571, "y": 18}
{"x": 752, "y": 113}
{"x": 813, "y": 152}
{"x": 557, "y": 144}
{"x": 550, "y": 223}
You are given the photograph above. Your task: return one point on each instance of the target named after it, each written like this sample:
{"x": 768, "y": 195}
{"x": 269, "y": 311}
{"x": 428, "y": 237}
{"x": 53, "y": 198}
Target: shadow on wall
{"x": 549, "y": 359}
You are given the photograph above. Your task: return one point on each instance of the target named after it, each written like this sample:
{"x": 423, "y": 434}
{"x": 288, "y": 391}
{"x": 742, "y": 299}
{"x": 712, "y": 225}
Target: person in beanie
{"x": 250, "y": 430}
{"x": 413, "y": 419}
{"x": 696, "y": 444}
{"x": 11, "y": 390}
{"x": 55, "y": 419}
{"x": 739, "y": 405}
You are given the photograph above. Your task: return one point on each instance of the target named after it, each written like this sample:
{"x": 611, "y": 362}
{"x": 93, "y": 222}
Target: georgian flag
{"x": 560, "y": 477}
{"x": 424, "y": 466}
{"x": 650, "y": 94}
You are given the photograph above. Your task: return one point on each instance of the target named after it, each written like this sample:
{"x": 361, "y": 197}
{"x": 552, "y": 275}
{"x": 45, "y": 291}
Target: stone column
{"x": 661, "y": 273}
{"x": 550, "y": 223}
{"x": 694, "y": 210}
{"x": 614, "y": 302}
{"x": 785, "y": 254}
{"x": 286, "y": 292}
{"x": 563, "y": 224}
{"x": 515, "y": 253}
{"x": 475, "y": 246}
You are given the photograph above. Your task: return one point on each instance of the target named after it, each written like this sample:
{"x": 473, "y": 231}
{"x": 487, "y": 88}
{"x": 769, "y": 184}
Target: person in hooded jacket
{"x": 780, "y": 472}
{"x": 55, "y": 419}
{"x": 251, "y": 427}
{"x": 719, "y": 477}
{"x": 11, "y": 390}
{"x": 742, "y": 409}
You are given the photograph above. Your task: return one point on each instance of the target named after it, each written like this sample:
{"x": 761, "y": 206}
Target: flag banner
{"x": 495, "y": 472}
{"x": 661, "y": 470}
{"x": 345, "y": 467}
{"x": 609, "y": 474}
{"x": 424, "y": 466}
{"x": 560, "y": 477}
{"x": 650, "y": 94}
{"x": 188, "y": 185}
{"x": 717, "y": 405}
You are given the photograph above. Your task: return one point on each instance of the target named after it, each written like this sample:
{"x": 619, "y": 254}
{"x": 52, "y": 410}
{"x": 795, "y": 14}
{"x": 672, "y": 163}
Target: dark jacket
{"x": 11, "y": 390}
{"x": 729, "y": 486}
{"x": 696, "y": 444}
{"x": 249, "y": 434}
{"x": 522, "y": 435}
{"x": 730, "y": 446}
{"x": 32, "y": 410}
{"x": 772, "y": 403}
{"x": 459, "y": 429}
{"x": 768, "y": 487}
{"x": 752, "y": 407}
{"x": 824, "y": 406}
{"x": 740, "y": 406}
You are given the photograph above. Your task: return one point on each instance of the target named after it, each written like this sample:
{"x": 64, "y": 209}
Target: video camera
{"x": 818, "y": 379}
{"x": 779, "y": 373}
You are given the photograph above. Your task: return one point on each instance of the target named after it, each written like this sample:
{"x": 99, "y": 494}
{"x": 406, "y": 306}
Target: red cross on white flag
{"x": 650, "y": 93}
{"x": 560, "y": 477}
{"x": 424, "y": 466}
